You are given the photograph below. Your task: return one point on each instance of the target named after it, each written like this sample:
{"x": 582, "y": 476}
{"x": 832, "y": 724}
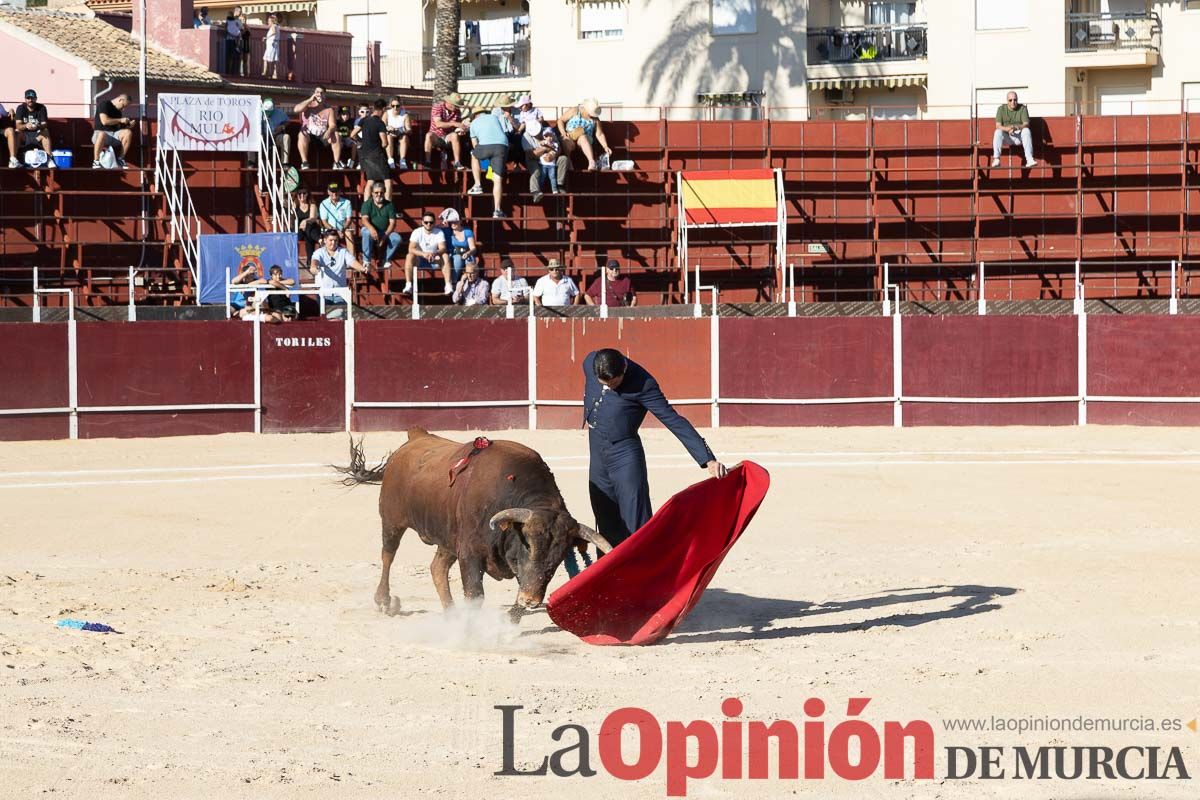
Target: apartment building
{"x": 801, "y": 58}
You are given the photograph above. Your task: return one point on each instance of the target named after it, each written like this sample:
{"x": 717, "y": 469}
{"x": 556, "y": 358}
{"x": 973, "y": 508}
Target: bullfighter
{"x": 616, "y": 396}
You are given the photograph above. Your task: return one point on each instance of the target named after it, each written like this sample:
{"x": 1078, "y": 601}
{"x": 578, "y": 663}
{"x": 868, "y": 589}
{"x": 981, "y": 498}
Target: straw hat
{"x": 591, "y": 107}
{"x": 480, "y": 110}
{"x": 504, "y": 101}
{"x": 453, "y": 99}
{"x": 553, "y": 264}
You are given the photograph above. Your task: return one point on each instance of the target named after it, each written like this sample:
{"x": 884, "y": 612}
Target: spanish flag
{"x": 730, "y": 197}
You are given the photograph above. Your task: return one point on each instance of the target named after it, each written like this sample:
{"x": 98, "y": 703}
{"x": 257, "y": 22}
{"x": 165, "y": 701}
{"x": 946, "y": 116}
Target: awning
{"x": 309, "y": 7}
{"x": 489, "y": 99}
{"x": 886, "y": 81}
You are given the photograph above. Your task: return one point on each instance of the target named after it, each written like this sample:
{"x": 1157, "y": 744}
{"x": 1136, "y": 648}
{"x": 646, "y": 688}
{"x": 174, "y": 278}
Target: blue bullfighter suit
{"x": 617, "y": 480}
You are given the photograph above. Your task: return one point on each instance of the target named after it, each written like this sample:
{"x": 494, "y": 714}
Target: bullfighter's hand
{"x": 716, "y": 469}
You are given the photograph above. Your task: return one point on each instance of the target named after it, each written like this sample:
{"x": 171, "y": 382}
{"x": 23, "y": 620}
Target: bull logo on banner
{"x": 213, "y": 122}
{"x": 224, "y": 256}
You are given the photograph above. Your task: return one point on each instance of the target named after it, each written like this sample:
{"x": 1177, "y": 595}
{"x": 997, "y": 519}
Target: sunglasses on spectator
{"x": 394, "y": 105}
{"x": 426, "y": 222}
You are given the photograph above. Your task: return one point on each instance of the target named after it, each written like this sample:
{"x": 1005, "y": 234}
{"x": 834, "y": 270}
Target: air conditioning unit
{"x": 838, "y": 97}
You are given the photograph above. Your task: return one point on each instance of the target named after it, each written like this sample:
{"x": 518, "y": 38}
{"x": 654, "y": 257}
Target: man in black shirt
{"x": 113, "y": 130}
{"x": 372, "y": 151}
{"x": 30, "y": 129}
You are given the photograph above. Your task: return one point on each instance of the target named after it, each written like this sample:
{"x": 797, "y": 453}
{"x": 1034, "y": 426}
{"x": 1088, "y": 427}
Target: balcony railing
{"x": 867, "y": 43}
{"x": 488, "y": 61}
{"x": 1108, "y": 31}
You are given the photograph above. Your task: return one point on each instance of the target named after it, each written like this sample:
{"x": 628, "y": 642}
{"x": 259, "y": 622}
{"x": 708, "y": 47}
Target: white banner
{"x": 214, "y": 122}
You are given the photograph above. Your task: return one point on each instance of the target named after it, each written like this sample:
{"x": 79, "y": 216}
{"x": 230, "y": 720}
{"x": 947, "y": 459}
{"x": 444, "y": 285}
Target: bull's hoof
{"x": 388, "y": 605}
{"x": 515, "y": 613}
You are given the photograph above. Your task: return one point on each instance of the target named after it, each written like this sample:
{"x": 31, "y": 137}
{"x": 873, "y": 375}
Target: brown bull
{"x": 501, "y": 514}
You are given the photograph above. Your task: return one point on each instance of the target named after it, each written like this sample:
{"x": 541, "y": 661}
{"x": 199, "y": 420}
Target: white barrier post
{"x": 228, "y": 280}
{"x": 791, "y": 288}
{"x": 132, "y": 307}
{"x": 887, "y": 305}
{"x": 509, "y": 311}
{"x": 982, "y": 295}
{"x": 604, "y": 292}
{"x": 1078, "y": 304}
{"x": 1082, "y": 364}
{"x": 37, "y": 308}
{"x": 897, "y": 363}
{"x": 72, "y": 370}
{"x": 1173, "y": 305}
{"x": 531, "y": 358}
{"x": 257, "y": 365}
{"x": 348, "y": 357}
{"x": 416, "y": 287}
{"x": 697, "y": 309}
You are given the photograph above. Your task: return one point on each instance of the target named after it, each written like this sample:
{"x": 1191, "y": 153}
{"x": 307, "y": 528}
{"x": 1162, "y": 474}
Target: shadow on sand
{"x": 724, "y": 616}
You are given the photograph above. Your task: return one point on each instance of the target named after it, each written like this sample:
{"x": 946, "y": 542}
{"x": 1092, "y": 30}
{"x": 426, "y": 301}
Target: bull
{"x": 499, "y": 512}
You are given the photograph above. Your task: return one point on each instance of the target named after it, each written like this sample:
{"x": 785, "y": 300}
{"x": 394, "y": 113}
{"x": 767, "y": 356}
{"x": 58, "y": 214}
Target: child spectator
{"x": 549, "y": 159}
{"x": 271, "y": 48}
{"x": 345, "y": 126}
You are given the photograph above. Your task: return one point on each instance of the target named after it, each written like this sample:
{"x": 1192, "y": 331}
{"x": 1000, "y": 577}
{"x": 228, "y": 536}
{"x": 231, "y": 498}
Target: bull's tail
{"x": 357, "y": 472}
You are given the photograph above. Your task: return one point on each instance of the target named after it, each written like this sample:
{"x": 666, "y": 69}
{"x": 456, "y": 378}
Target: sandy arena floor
{"x": 943, "y": 573}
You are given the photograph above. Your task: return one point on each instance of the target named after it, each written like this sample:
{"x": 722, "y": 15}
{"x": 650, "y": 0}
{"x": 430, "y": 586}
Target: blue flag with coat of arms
{"x": 224, "y": 255}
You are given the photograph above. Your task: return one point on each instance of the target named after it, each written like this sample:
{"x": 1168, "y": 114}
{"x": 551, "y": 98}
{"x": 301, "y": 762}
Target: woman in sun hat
{"x": 580, "y": 128}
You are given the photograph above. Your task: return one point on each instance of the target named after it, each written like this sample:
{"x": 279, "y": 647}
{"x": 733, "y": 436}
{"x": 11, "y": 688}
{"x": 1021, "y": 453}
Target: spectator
{"x": 317, "y": 126}
{"x": 6, "y": 125}
{"x": 344, "y": 125}
{"x": 233, "y": 41}
{"x": 1012, "y": 127}
{"x": 460, "y": 242}
{"x": 554, "y": 288}
{"x": 580, "y": 128}
{"x": 271, "y": 48}
{"x": 398, "y": 128}
{"x": 328, "y": 266}
{"x": 490, "y": 143}
{"x": 378, "y": 218}
{"x": 244, "y": 46}
{"x": 503, "y": 112}
{"x": 203, "y": 19}
{"x": 527, "y": 113}
{"x": 372, "y": 134}
{"x": 31, "y": 127}
{"x": 549, "y": 159}
{"x": 308, "y": 223}
{"x": 335, "y": 212}
{"x": 112, "y": 130}
{"x": 535, "y": 148}
{"x": 446, "y": 129}
{"x": 271, "y": 308}
{"x": 275, "y": 122}
{"x": 240, "y": 301}
{"x": 508, "y": 286}
{"x": 618, "y": 292}
{"x": 426, "y": 248}
{"x": 472, "y": 289}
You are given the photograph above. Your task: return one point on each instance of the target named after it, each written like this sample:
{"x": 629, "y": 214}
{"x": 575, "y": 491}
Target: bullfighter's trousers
{"x": 619, "y": 487}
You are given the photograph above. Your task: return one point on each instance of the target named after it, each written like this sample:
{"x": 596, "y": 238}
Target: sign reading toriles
{"x": 214, "y": 122}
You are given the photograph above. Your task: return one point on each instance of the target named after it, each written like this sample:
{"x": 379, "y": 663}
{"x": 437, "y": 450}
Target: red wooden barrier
{"x": 165, "y": 363}
{"x": 441, "y": 361}
{"x": 985, "y": 357}
{"x": 34, "y": 363}
{"x": 303, "y": 377}
{"x": 675, "y": 351}
{"x": 1143, "y": 357}
{"x": 806, "y": 357}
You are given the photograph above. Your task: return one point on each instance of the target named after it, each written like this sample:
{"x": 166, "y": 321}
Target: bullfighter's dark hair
{"x": 609, "y": 364}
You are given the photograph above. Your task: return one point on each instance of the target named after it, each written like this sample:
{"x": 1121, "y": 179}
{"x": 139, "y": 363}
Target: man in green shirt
{"x": 1012, "y": 127}
{"x": 378, "y": 218}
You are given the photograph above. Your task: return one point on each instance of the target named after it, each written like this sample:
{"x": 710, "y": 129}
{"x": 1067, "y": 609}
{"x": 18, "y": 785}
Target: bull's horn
{"x": 589, "y": 535}
{"x": 521, "y": 515}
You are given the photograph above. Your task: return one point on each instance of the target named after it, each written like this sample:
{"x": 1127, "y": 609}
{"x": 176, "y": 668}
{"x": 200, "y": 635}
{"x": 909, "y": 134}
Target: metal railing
{"x": 867, "y": 43}
{"x": 271, "y": 182}
{"x": 1113, "y": 31}
{"x": 487, "y": 61}
{"x": 170, "y": 179}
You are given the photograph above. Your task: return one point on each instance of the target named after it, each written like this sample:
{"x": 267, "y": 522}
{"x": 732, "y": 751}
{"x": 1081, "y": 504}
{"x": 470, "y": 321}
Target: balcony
{"x": 493, "y": 61}
{"x": 1121, "y": 40}
{"x": 868, "y": 51}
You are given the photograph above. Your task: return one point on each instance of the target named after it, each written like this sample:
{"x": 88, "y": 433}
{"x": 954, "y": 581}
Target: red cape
{"x": 640, "y": 591}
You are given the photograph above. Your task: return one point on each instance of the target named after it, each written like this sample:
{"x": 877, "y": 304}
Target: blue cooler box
{"x": 63, "y": 158}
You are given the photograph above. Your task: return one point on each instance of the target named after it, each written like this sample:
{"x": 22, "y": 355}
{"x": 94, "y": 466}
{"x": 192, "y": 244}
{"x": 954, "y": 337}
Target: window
{"x": 891, "y": 13}
{"x": 991, "y": 15}
{"x": 602, "y": 20}
{"x": 734, "y": 16}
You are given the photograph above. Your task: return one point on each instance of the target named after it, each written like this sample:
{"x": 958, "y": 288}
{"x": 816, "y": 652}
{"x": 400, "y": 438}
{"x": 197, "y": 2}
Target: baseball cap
{"x": 333, "y": 187}
{"x": 613, "y": 264}
{"x": 30, "y": 94}
{"x": 449, "y": 215}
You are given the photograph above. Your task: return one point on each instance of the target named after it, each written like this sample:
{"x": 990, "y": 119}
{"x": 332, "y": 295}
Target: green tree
{"x": 445, "y": 48}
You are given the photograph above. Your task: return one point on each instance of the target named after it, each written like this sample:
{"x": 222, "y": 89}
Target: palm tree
{"x": 445, "y": 48}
